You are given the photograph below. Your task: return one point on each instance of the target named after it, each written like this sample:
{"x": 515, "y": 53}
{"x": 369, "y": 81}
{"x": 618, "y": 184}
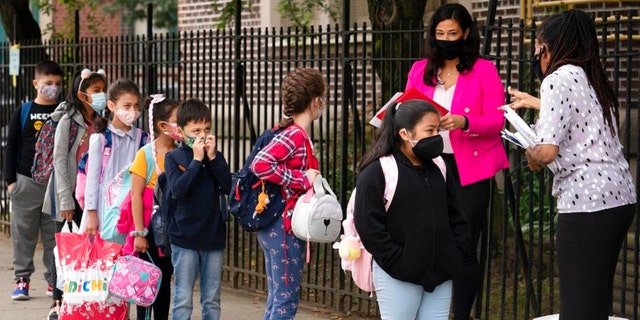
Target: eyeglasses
{"x": 86, "y": 73}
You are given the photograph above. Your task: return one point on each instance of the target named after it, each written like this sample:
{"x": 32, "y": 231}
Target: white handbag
{"x": 317, "y": 215}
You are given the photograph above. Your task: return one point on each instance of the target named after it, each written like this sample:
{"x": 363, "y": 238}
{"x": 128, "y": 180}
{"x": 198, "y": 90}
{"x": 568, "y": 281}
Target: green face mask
{"x": 189, "y": 141}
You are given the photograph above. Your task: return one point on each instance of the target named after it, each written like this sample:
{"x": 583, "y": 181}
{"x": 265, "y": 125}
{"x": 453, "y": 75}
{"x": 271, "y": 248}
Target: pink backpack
{"x": 135, "y": 280}
{"x": 361, "y": 266}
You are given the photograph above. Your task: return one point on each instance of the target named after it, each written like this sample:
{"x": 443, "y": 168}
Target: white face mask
{"x": 127, "y": 117}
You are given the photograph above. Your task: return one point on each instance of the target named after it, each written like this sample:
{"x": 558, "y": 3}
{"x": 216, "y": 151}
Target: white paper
{"x": 524, "y": 136}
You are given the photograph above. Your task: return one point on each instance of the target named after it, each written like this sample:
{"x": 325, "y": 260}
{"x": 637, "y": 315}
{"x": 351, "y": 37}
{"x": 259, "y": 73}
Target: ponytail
{"x": 405, "y": 115}
{"x": 386, "y": 138}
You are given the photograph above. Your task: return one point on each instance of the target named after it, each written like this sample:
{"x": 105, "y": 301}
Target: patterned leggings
{"x": 284, "y": 262}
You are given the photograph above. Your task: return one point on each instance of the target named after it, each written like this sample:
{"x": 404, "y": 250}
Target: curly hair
{"x": 299, "y": 88}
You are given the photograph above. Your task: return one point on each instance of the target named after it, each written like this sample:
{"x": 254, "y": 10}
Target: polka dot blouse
{"x": 593, "y": 173}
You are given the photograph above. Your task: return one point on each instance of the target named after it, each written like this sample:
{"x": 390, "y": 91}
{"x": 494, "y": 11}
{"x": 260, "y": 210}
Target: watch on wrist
{"x": 466, "y": 124}
{"x": 142, "y": 233}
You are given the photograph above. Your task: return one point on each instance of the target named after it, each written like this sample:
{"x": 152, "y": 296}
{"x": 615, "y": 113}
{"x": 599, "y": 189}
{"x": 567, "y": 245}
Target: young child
{"x": 288, "y": 160}
{"x": 123, "y": 110}
{"x": 162, "y": 120}
{"x": 28, "y": 222}
{"x": 196, "y": 176}
{"x": 417, "y": 248}
{"x": 76, "y": 114}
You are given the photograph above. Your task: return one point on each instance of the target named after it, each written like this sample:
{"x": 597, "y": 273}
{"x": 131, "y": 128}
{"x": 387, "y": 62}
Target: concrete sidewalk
{"x": 236, "y": 305}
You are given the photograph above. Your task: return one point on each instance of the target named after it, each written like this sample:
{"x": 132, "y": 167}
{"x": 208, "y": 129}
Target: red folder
{"x": 410, "y": 94}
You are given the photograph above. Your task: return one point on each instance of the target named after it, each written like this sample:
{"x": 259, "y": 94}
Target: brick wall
{"x": 510, "y": 10}
{"x": 200, "y": 14}
{"x": 107, "y": 25}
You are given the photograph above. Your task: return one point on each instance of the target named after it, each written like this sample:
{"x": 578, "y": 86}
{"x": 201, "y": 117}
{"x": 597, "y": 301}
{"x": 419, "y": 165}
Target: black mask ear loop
{"x": 542, "y": 50}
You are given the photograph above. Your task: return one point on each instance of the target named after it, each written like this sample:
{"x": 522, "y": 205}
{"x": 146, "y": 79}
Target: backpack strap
{"x": 151, "y": 162}
{"x": 73, "y": 132}
{"x": 441, "y": 165}
{"x": 142, "y": 136}
{"x": 390, "y": 171}
{"x": 106, "y": 150}
{"x": 24, "y": 113}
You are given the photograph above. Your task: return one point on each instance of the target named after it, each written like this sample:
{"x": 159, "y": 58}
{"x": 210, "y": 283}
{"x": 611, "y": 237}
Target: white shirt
{"x": 444, "y": 97}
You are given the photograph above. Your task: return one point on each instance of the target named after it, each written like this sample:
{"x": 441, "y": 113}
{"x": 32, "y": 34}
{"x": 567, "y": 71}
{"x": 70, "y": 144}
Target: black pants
{"x": 588, "y": 248}
{"x": 473, "y": 201}
{"x": 162, "y": 304}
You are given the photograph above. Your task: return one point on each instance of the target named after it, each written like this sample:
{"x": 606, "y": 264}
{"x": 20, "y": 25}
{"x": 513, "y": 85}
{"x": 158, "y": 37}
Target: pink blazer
{"x": 479, "y": 152}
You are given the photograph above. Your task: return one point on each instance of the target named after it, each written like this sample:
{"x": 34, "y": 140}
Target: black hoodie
{"x": 423, "y": 236}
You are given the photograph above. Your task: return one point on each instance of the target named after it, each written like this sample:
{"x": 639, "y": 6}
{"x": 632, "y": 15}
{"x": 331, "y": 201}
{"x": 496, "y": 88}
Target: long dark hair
{"x": 470, "y": 48}
{"x": 571, "y": 39}
{"x": 72, "y": 100}
{"x": 299, "y": 88}
{"x": 407, "y": 115}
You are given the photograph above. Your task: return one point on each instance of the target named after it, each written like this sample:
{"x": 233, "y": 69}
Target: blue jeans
{"x": 187, "y": 264}
{"x": 399, "y": 300}
{"x": 284, "y": 261}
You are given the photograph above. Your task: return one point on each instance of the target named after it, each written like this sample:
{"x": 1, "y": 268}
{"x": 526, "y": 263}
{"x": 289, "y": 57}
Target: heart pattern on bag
{"x": 135, "y": 280}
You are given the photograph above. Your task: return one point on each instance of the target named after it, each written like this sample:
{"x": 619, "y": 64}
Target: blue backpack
{"x": 246, "y": 188}
{"x": 118, "y": 195}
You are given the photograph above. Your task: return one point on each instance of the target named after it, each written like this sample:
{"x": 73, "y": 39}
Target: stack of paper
{"x": 524, "y": 136}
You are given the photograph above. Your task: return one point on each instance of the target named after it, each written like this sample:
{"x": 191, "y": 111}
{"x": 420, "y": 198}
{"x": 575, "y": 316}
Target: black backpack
{"x": 246, "y": 187}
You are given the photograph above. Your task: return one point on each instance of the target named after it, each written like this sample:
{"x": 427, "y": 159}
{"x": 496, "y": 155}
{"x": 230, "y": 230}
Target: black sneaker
{"x": 53, "y": 313}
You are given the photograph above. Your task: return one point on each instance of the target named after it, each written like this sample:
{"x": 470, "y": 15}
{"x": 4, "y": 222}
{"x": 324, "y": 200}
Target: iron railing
{"x": 517, "y": 249}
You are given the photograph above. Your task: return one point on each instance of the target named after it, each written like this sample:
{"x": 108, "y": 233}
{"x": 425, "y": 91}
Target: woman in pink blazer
{"x": 470, "y": 87}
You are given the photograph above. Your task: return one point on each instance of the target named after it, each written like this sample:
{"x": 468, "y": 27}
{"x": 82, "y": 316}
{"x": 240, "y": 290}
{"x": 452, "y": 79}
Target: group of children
{"x": 181, "y": 145}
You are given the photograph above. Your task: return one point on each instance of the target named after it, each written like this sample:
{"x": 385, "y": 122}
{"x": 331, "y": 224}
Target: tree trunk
{"x": 18, "y": 21}
{"x": 396, "y": 15}
{"x": 23, "y": 29}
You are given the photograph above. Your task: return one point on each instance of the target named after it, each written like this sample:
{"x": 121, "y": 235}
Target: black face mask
{"x": 428, "y": 148}
{"x": 449, "y": 50}
{"x": 536, "y": 67}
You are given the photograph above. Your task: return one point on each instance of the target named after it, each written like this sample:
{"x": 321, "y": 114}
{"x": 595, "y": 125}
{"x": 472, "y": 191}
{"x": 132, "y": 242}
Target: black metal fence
{"x": 238, "y": 76}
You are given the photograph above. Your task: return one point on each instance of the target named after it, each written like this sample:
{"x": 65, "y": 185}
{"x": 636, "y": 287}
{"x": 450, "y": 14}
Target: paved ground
{"x": 235, "y": 305}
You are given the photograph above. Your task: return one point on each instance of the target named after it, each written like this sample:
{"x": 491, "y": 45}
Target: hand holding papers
{"x": 399, "y": 97}
{"x": 524, "y": 136}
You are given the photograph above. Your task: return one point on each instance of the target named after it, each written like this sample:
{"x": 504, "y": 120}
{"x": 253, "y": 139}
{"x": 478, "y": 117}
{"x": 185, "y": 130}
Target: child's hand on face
{"x": 210, "y": 146}
{"x": 198, "y": 149}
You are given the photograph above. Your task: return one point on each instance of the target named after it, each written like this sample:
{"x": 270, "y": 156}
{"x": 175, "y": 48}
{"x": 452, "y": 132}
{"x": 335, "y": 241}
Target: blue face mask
{"x": 99, "y": 101}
